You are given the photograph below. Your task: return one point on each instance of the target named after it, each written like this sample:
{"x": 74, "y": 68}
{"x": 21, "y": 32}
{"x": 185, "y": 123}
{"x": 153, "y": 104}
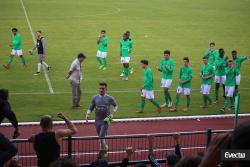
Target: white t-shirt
{"x": 76, "y": 69}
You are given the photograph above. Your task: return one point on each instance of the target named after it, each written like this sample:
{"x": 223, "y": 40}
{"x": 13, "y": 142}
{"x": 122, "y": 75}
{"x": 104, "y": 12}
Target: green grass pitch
{"x": 183, "y": 26}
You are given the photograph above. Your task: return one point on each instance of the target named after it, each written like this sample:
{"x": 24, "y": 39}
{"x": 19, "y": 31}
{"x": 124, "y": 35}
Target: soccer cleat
{"x": 203, "y": 106}
{"x": 100, "y": 67}
{"x": 122, "y": 74}
{"x": 185, "y": 109}
{"x": 48, "y": 68}
{"x": 164, "y": 105}
{"x": 105, "y": 151}
{"x": 131, "y": 70}
{"x": 170, "y": 104}
{"x": 174, "y": 109}
{"x": 6, "y": 67}
{"x": 222, "y": 110}
{"x": 125, "y": 78}
{"x": 104, "y": 68}
{"x": 215, "y": 101}
{"x": 139, "y": 111}
{"x": 159, "y": 110}
{"x": 37, "y": 73}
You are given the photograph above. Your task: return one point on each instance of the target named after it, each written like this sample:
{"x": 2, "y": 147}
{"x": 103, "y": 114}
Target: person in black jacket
{"x": 7, "y": 149}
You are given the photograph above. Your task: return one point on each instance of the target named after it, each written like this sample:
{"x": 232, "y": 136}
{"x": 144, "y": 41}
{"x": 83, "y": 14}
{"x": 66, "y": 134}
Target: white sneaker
{"x": 125, "y": 78}
{"x": 122, "y": 74}
{"x": 170, "y": 104}
{"x": 37, "y": 73}
{"x": 163, "y": 105}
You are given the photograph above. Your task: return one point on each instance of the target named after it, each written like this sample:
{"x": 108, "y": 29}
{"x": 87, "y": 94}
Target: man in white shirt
{"x": 75, "y": 77}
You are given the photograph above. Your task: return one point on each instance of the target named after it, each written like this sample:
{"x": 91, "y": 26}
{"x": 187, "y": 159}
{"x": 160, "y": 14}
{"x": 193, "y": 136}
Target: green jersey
{"x": 220, "y": 66}
{"x": 238, "y": 62}
{"x": 167, "y": 68}
{"x": 126, "y": 47}
{"x": 207, "y": 70}
{"x": 212, "y": 55}
{"x": 148, "y": 79}
{"x": 231, "y": 74}
{"x": 103, "y": 44}
{"x": 17, "y": 42}
{"x": 186, "y": 75}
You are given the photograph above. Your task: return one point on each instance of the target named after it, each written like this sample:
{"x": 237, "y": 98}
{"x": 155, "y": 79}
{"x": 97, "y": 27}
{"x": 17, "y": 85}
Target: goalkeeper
{"x": 103, "y": 117}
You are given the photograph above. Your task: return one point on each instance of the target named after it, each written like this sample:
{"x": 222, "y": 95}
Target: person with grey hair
{"x": 75, "y": 77}
{"x": 103, "y": 117}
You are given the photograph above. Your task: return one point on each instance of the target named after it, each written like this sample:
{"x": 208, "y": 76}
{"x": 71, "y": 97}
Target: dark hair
{"x": 186, "y": 58}
{"x": 81, "y": 55}
{"x": 39, "y": 31}
{"x": 230, "y": 61}
{"x": 189, "y": 161}
{"x": 140, "y": 165}
{"x": 221, "y": 50}
{"x": 99, "y": 163}
{"x": 127, "y": 32}
{"x": 14, "y": 29}
{"x": 172, "y": 159}
{"x": 204, "y": 57}
{"x": 234, "y": 51}
{"x": 46, "y": 122}
{"x": 103, "y": 31}
{"x": 4, "y": 94}
{"x": 144, "y": 62}
{"x": 63, "y": 163}
{"x": 167, "y": 52}
{"x": 103, "y": 84}
{"x": 212, "y": 43}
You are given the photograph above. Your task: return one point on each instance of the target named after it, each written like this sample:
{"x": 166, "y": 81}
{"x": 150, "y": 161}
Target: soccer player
{"x": 147, "y": 92}
{"x": 231, "y": 73}
{"x": 211, "y": 53}
{"x": 103, "y": 117}
{"x": 220, "y": 75}
{"x": 207, "y": 74}
{"x": 41, "y": 50}
{"x": 75, "y": 77}
{"x": 126, "y": 47}
{"x": 185, "y": 78}
{"x": 166, "y": 67}
{"x": 17, "y": 48}
{"x": 101, "y": 56}
{"x": 237, "y": 60}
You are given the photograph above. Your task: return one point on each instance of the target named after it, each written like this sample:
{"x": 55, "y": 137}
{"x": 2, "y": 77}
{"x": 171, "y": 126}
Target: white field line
{"x": 34, "y": 40}
{"x": 174, "y": 118}
{"x": 132, "y": 90}
{"x": 117, "y": 152}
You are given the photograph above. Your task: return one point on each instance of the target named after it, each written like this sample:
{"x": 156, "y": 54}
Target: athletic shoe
{"x": 37, "y": 73}
{"x": 105, "y": 151}
{"x": 222, "y": 110}
{"x": 6, "y": 67}
{"x": 215, "y": 101}
{"x": 104, "y": 68}
{"x": 131, "y": 70}
{"x": 159, "y": 110}
{"x": 100, "y": 67}
{"x": 125, "y": 78}
{"x": 122, "y": 74}
{"x": 185, "y": 109}
{"x": 170, "y": 104}
{"x": 164, "y": 105}
{"x": 139, "y": 111}
{"x": 232, "y": 107}
{"x": 203, "y": 106}
{"x": 174, "y": 109}
{"x": 48, "y": 68}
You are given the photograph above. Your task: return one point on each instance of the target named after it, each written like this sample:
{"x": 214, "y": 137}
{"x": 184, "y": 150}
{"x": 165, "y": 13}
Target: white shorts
{"x": 166, "y": 83}
{"x": 148, "y": 94}
{"x": 229, "y": 91}
{"x": 220, "y": 79}
{"x": 101, "y": 54}
{"x": 125, "y": 60}
{"x": 16, "y": 52}
{"x": 205, "y": 89}
{"x": 186, "y": 91}
{"x": 237, "y": 80}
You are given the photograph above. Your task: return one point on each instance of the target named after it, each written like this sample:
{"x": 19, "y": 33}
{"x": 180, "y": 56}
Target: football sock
{"x": 226, "y": 103}
{"x": 39, "y": 65}
{"x": 166, "y": 97}
{"x": 126, "y": 71}
{"x": 105, "y": 62}
{"x": 45, "y": 64}
{"x": 177, "y": 100}
{"x": 142, "y": 104}
{"x": 155, "y": 103}
{"x": 188, "y": 101}
{"x": 23, "y": 60}
{"x": 10, "y": 60}
{"x": 99, "y": 60}
{"x": 205, "y": 100}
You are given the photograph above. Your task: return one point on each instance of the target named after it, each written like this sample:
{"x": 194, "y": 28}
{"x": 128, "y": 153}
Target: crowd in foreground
{"x": 47, "y": 145}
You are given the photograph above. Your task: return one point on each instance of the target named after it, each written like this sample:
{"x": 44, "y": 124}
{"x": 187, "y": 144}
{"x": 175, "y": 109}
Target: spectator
{"x": 101, "y": 161}
{"x": 171, "y": 158}
{"x": 14, "y": 163}
{"x": 129, "y": 152}
{"x": 190, "y": 161}
{"x": 63, "y": 163}
{"x": 7, "y": 149}
{"x": 47, "y": 143}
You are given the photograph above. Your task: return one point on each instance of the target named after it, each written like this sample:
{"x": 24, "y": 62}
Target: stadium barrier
{"x": 84, "y": 150}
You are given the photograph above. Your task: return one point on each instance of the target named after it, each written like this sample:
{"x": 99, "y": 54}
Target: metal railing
{"x": 84, "y": 150}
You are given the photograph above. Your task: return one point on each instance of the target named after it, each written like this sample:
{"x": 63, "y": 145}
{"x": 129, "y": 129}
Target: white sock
{"x": 39, "y": 65}
{"x": 46, "y": 65}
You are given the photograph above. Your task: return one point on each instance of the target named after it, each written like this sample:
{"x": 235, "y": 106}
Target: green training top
{"x": 220, "y": 66}
{"x": 126, "y": 47}
{"x": 230, "y": 76}
{"x": 207, "y": 70}
{"x": 238, "y": 62}
{"x": 17, "y": 41}
{"x": 103, "y": 44}
{"x": 186, "y": 75}
{"x": 167, "y": 68}
{"x": 212, "y": 55}
{"x": 148, "y": 79}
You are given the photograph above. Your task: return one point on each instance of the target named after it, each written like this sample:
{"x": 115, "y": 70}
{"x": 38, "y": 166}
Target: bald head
{"x": 46, "y": 122}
